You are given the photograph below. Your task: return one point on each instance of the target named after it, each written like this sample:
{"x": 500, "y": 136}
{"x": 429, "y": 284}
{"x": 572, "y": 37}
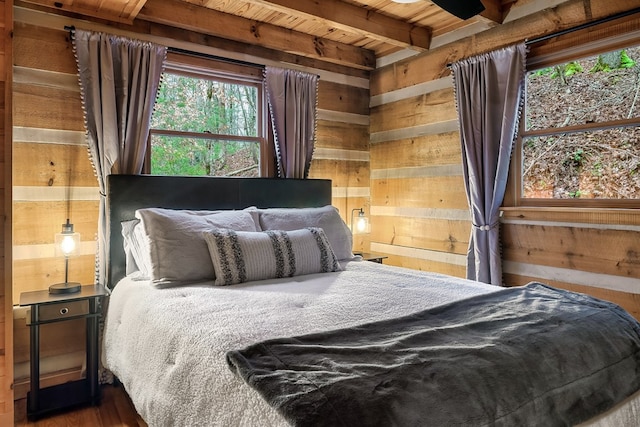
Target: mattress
{"x": 167, "y": 345}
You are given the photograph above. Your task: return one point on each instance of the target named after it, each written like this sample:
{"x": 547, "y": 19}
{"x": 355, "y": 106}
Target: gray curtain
{"x": 119, "y": 81}
{"x": 489, "y": 91}
{"x": 293, "y": 103}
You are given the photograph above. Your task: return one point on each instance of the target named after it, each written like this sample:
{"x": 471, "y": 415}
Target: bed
{"x": 255, "y": 338}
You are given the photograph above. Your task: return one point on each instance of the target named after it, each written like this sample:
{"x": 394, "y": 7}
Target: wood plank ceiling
{"x": 353, "y": 33}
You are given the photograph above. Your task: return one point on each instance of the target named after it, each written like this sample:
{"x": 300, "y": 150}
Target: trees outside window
{"x": 580, "y": 130}
{"x": 206, "y": 123}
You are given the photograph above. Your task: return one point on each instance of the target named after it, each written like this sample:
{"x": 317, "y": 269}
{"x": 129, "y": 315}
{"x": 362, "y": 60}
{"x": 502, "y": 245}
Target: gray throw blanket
{"x": 526, "y": 356}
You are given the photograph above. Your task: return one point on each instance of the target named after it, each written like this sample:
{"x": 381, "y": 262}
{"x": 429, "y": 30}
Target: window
{"x": 209, "y": 121}
{"x": 579, "y": 141}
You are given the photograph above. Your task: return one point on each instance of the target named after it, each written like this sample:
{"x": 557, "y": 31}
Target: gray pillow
{"x": 174, "y": 243}
{"x": 326, "y": 217}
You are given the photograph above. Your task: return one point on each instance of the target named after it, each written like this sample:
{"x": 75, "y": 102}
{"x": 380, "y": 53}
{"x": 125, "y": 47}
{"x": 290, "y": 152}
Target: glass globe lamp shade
{"x": 67, "y": 243}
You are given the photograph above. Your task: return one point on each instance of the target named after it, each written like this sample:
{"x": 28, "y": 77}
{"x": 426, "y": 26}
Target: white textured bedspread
{"x": 168, "y": 346}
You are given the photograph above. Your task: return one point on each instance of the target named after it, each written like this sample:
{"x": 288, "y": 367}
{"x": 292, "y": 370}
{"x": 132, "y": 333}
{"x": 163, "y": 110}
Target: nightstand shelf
{"x": 48, "y": 308}
{"x": 67, "y": 395}
{"x": 367, "y": 256}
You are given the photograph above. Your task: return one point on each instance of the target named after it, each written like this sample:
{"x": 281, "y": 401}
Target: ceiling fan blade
{"x": 462, "y": 9}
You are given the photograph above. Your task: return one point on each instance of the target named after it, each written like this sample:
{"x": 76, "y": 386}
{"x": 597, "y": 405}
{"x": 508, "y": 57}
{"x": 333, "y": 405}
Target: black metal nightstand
{"x": 371, "y": 257}
{"x": 50, "y": 308}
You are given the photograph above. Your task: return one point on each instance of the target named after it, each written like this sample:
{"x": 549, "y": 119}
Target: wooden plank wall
{"x": 419, "y": 208}
{"x": 50, "y": 157}
{"x": 342, "y": 149}
{"x": 591, "y": 251}
{"x": 418, "y": 204}
{"x": 50, "y": 166}
{"x": 6, "y": 318}
{"x": 50, "y": 161}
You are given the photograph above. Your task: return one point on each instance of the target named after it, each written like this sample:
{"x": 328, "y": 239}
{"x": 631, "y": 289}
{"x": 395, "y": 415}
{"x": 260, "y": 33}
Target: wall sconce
{"x": 67, "y": 243}
{"x": 361, "y": 223}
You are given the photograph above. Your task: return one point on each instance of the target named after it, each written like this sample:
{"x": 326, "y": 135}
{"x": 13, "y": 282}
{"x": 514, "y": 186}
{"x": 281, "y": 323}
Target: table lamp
{"x": 67, "y": 243}
{"x": 361, "y": 223}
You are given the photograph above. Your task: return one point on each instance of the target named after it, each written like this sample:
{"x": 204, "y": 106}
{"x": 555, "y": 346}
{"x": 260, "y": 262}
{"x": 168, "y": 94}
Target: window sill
{"x": 573, "y": 214}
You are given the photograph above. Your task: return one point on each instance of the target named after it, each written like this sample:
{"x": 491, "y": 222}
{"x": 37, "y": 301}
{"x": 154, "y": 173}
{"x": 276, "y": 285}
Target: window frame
{"x": 226, "y": 71}
{"x": 573, "y": 47}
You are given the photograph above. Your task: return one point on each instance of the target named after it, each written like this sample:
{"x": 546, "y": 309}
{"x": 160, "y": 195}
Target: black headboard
{"x": 126, "y": 193}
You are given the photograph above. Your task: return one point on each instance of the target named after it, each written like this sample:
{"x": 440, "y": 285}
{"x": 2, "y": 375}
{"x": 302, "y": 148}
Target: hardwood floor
{"x": 115, "y": 410}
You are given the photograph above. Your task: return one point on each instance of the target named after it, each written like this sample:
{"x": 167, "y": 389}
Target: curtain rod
{"x": 219, "y": 58}
{"x": 72, "y": 30}
{"x": 215, "y": 57}
{"x": 579, "y": 27}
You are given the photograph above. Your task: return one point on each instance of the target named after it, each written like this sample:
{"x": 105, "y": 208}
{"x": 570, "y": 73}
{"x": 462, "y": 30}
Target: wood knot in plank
{"x": 318, "y": 46}
{"x": 255, "y": 30}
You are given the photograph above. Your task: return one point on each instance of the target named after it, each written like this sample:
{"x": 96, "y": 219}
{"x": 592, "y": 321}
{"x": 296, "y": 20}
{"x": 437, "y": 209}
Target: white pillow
{"x": 240, "y": 257}
{"x": 176, "y": 249}
{"x": 326, "y": 217}
{"x": 134, "y": 242}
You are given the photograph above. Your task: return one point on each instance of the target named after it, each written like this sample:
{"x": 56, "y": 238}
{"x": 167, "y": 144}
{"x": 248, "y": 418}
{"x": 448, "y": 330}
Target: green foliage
{"x": 566, "y": 70}
{"x": 585, "y": 160}
{"x": 192, "y": 104}
{"x": 215, "y": 110}
{"x": 626, "y": 61}
{"x": 597, "y": 168}
{"x": 600, "y": 66}
{"x": 572, "y": 68}
{"x": 200, "y": 157}
{"x": 542, "y": 72}
{"x": 606, "y": 62}
{"x": 576, "y": 158}
{"x": 612, "y": 61}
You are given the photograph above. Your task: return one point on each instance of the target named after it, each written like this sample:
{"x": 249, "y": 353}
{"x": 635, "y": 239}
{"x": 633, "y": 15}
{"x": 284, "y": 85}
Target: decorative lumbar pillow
{"x": 239, "y": 257}
{"x": 175, "y": 247}
{"x": 326, "y": 217}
